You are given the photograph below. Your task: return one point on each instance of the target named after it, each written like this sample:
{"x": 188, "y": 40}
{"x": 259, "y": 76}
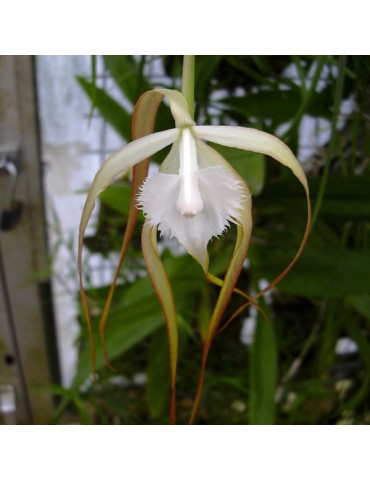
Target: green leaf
{"x": 128, "y": 75}
{"x": 138, "y": 315}
{"x": 117, "y": 197}
{"x": 320, "y": 272}
{"x": 263, "y": 372}
{"x": 278, "y": 105}
{"x": 205, "y": 69}
{"x": 345, "y": 196}
{"x": 109, "y": 108}
{"x": 361, "y": 303}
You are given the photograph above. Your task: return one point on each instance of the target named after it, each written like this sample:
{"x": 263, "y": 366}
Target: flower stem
{"x": 187, "y": 88}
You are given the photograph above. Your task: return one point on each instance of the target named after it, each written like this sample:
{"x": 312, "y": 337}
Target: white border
{"x": 184, "y": 27}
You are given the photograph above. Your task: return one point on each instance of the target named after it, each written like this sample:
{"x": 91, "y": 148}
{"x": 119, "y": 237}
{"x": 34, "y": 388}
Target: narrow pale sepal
{"x": 143, "y": 119}
{"x": 179, "y": 107}
{"x": 115, "y": 165}
{"x": 140, "y": 171}
{"x": 253, "y": 140}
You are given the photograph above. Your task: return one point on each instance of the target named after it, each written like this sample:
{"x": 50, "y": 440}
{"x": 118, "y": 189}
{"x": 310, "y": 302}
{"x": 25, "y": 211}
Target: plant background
{"x": 310, "y": 363}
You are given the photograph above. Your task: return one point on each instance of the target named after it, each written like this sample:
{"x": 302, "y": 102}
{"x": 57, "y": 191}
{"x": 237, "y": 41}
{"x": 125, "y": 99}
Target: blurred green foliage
{"x": 292, "y": 373}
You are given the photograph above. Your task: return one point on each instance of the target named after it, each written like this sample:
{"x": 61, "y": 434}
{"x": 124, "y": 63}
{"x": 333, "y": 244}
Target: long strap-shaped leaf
{"x": 117, "y": 164}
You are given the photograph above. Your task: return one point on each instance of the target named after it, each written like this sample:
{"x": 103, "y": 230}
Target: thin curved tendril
{"x": 297, "y": 255}
{"x": 278, "y": 278}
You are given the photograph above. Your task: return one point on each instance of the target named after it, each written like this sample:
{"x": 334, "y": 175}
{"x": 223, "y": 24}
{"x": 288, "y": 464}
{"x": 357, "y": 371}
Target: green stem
{"x": 329, "y": 154}
{"x": 187, "y": 89}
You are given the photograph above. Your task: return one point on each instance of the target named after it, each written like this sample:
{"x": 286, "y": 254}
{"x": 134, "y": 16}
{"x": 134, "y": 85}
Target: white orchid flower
{"x": 197, "y": 193}
{"x": 194, "y": 197}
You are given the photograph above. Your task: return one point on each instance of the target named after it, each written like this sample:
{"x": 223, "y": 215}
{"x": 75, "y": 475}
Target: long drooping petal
{"x": 162, "y": 286}
{"x": 253, "y": 140}
{"x": 116, "y": 165}
{"x": 143, "y": 119}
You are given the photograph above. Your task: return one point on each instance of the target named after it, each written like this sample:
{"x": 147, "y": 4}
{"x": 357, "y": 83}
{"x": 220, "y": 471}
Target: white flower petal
{"x": 253, "y": 140}
{"x": 222, "y": 194}
{"x": 158, "y": 196}
{"x": 131, "y": 154}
